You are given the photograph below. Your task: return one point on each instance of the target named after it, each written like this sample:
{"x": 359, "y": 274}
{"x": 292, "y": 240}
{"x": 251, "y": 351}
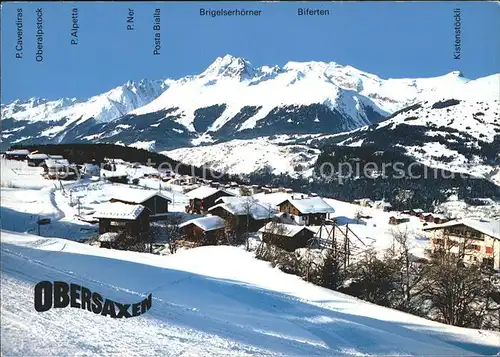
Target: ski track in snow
{"x": 191, "y": 314}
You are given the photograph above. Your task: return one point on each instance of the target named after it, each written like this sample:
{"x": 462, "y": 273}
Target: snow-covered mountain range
{"x": 41, "y": 120}
{"x": 232, "y": 102}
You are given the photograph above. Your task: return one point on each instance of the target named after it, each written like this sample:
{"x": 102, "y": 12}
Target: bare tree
{"x": 411, "y": 274}
{"x": 358, "y": 215}
{"x": 457, "y": 293}
{"x": 248, "y": 205}
{"x": 245, "y": 191}
{"x": 171, "y": 232}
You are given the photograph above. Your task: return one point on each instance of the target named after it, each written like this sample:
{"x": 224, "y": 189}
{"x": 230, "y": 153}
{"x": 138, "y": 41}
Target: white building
{"x": 477, "y": 240}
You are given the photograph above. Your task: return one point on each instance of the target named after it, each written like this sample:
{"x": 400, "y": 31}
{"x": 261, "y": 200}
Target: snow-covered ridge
{"x": 236, "y": 83}
{"x": 103, "y": 107}
{"x": 248, "y": 156}
{"x": 454, "y": 134}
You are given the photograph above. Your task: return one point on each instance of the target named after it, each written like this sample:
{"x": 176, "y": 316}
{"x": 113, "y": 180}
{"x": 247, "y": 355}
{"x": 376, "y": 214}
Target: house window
{"x": 475, "y": 247}
{"x": 117, "y": 224}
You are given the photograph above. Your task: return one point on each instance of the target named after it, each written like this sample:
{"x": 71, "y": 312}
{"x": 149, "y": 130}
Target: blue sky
{"x": 390, "y": 39}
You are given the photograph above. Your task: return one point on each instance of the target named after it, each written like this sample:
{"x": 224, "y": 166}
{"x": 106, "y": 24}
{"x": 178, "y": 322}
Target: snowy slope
{"x": 456, "y": 135}
{"x": 247, "y": 156}
{"x": 209, "y": 301}
{"x": 241, "y": 307}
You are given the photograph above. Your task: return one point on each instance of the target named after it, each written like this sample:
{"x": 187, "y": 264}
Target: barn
{"x": 60, "y": 169}
{"x": 204, "y": 197}
{"x": 242, "y": 213}
{"x": 206, "y": 230}
{"x": 155, "y": 201}
{"x": 133, "y": 220}
{"x": 286, "y": 236}
{"x": 37, "y": 159}
{"x": 306, "y": 210}
{"x": 19, "y": 155}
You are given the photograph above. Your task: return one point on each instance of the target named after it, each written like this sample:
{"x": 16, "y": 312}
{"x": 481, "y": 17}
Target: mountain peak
{"x": 230, "y": 66}
{"x": 456, "y": 74}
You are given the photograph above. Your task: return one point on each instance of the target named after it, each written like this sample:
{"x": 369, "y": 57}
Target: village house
{"x": 156, "y": 202}
{"x": 114, "y": 176}
{"x": 19, "y": 155}
{"x": 286, "y": 236}
{"x": 60, "y": 169}
{"x": 255, "y": 189}
{"x": 37, "y": 159}
{"x": 242, "y": 213}
{"x": 92, "y": 169}
{"x": 426, "y": 217}
{"x": 215, "y": 184}
{"x": 204, "y": 197}
{"x": 306, "y": 210}
{"x": 416, "y": 212}
{"x": 189, "y": 180}
{"x": 206, "y": 230}
{"x": 395, "y": 220}
{"x": 440, "y": 218}
{"x": 131, "y": 220}
{"x": 477, "y": 240}
{"x": 364, "y": 202}
{"x": 383, "y": 205}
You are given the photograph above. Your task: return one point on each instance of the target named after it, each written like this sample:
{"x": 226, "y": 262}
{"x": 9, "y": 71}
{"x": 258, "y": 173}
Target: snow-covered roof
{"x": 488, "y": 227}
{"x": 282, "y": 229}
{"x": 363, "y": 200}
{"x": 108, "y": 237}
{"x": 203, "y": 192}
{"x": 382, "y": 203}
{"x": 119, "y": 210}
{"x": 242, "y": 205}
{"x": 38, "y": 156}
{"x": 207, "y": 223}
{"x": 137, "y": 195}
{"x": 417, "y": 210}
{"x": 56, "y": 162}
{"x": 56, "y": 156}
{"x": 18, "y": 152}
{"x": 308, "y": 205}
